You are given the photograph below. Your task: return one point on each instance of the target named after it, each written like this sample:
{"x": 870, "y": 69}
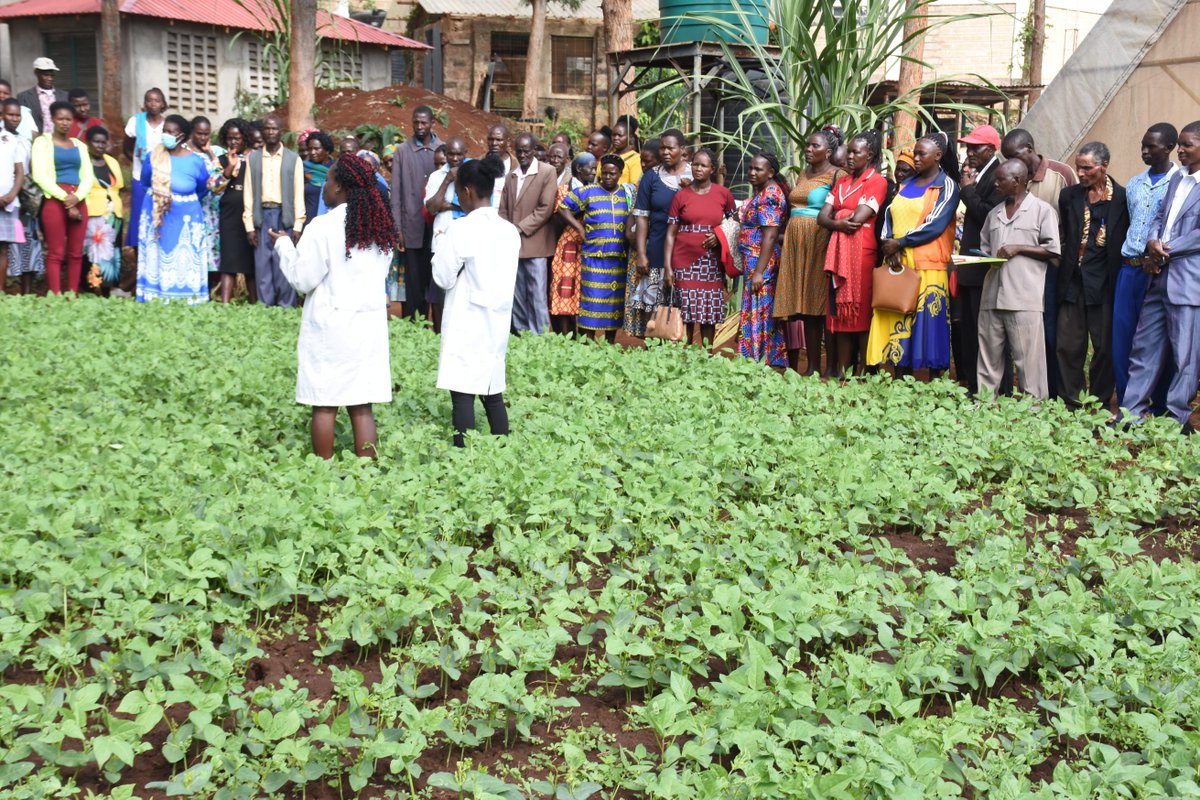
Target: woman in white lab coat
{"x": 341, "y": 265}
{"x": 476, "y": 265}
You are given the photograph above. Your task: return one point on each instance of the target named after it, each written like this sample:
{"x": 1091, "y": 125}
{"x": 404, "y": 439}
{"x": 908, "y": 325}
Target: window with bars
{"x": 262, "y": 79}
{"x": 340, "y": 67}
{"x": 192, "y": 72}
{"x": 510, "y": 51}
{"x": 571, "y": 65}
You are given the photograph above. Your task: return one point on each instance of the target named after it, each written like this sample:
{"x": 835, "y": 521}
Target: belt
{"x": 183, "y": 198}
{"x": 1136, "y": 261}
{"x": 694, "y": 229}
{"x": 804, "y": 211}
{"x": 272, "y": 205}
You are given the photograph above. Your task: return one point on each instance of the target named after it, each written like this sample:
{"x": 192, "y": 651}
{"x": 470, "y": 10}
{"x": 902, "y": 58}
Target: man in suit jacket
{"x": 979, "y": 196}
{"x": 1170, "y": 319}
{"x": 1094, "y": 217}
{"x": 39, "y": 98}
{"x": 527, "y": 201}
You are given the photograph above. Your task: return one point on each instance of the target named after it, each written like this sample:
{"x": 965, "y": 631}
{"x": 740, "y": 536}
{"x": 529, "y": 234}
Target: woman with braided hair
{"x": 764, "y": 223}
{"x": 341, "y": 264}
{"x": 802, "y": 288}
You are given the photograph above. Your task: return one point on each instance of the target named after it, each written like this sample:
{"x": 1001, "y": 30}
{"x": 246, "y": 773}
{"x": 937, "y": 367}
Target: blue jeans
{"x": 1128, "y": 298}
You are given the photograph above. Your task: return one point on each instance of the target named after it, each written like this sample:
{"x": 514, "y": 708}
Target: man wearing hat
{"x": 39, "y": 98}
{"x": 979, "y": 196}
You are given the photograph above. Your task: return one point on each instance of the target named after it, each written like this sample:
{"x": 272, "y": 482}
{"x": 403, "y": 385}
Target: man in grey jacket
{"x": 412, "y": 164}
{"x": 39, "y": 98}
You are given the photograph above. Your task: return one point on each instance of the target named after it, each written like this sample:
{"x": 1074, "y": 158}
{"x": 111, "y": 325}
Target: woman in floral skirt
{"x": 763, "y": 218}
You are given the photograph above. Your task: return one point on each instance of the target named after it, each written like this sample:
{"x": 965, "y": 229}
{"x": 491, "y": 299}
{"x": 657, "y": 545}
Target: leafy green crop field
{"x": 681, "y": 577}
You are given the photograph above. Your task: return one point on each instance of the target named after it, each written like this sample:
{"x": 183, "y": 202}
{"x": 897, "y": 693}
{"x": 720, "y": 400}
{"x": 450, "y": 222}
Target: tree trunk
{"x": 618, "y": 36}
{"x": 1037, "y": 44}
{"x": 110, "y": 64}
{"x": 912, "y": 73}
{"x": 533, "y": 60}
{"x": 302, "y": 65}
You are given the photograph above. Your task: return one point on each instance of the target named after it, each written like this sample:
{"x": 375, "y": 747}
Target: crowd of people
{"x": 1007, "y": 262}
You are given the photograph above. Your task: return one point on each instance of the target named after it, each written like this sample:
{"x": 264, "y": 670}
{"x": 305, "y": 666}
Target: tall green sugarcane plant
{"x": 830, "y": 54}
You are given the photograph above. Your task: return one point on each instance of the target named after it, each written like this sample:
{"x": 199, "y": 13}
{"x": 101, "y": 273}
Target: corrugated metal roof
{"x": 588, "y": 9}
{"x": 227, "y": 13}
{"x": 49, "y": 8}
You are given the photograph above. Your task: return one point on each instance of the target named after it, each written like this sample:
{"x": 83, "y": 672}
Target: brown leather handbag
{"x": 666, "y": 322}
{"x": 895, "y": 289}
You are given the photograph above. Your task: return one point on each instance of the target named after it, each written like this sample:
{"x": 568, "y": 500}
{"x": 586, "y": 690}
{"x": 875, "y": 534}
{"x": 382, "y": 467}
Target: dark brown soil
{"x": 346, "y": 109}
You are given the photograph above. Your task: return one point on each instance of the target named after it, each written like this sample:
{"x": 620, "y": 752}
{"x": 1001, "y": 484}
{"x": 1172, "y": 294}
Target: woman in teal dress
{"x": 598, "y": 213}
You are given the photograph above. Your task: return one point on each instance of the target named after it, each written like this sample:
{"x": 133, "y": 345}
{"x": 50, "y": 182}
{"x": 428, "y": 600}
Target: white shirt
{"x": 27, "y": 129}
{"x": 12, "y": 152}
{"x": 153, "y": 137}
{"x": 500, "y": 183}
{"x": 476, "y": 263}
{"x": 342, "y": 351}
{"x": 521, "y": 176}
{"x": 1187, "y": 185}
{"x": 442, "y": 219}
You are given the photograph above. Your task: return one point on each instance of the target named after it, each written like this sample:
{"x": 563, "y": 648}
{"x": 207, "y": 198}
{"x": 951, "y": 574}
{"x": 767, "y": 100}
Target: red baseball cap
{"x": 982, "y": 134}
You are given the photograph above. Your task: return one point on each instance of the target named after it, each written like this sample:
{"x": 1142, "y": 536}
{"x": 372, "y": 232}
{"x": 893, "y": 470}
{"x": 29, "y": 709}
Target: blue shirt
{"x": 66, "y": 165}
{"x": 1144, "y": 199}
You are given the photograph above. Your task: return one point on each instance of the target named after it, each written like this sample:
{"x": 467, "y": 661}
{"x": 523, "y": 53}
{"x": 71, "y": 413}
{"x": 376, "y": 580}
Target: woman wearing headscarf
{"x": 764, "y": 223}
{"x": 918, "y": 233}
{"x": 850, "y": 259}
{"x": 802, "y": 288}
{"x": 173, "y": 256}
{"x": 564, "y": 266}
{"x": 651, "y": 210}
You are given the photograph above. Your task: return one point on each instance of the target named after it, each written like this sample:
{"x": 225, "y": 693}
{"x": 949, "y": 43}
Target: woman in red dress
{"x": 693, "y": 262}
{"x": 849, "y": 215}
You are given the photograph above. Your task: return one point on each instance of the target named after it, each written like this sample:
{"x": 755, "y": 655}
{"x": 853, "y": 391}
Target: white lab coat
{"x": 342, "y": 351}
{"x": 476, "y": 264}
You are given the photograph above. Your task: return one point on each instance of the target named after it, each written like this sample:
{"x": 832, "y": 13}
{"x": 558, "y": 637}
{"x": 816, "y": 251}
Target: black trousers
{"x": 418, "y": 278}
{"x": 463, "y": 414}
{"x": 966, "y": 336}
{"x": 1079, "y": 323}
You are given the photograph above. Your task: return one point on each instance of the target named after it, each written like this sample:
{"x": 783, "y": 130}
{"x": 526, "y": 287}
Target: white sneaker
{"x": 119, "y": 293}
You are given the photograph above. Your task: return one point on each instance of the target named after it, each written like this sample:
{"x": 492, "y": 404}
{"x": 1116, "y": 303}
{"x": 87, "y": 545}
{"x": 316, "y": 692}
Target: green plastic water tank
{"x": 685, "y": 21}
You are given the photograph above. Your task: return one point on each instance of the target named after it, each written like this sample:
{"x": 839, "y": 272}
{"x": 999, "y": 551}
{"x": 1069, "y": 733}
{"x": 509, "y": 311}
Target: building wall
{"x": 145, "y": 62}
{"x": 466, "y": 52}
{"x": 982, "y": 45}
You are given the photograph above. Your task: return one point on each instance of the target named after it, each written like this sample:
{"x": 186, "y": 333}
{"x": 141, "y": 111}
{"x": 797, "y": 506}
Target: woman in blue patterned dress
{"x": 598, "y": 213}
{"x": 763, "y": 218}
{"x": 174, "y": 254}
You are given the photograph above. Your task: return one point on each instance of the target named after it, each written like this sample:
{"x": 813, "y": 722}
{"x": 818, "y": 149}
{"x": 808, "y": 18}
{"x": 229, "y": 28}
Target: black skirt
{"x": 237, "y": 256}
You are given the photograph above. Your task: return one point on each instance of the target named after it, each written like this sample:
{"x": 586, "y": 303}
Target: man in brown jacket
{"x": 528, "y": 202}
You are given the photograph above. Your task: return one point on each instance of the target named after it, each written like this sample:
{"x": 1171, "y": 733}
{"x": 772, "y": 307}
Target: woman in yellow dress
{"x": 918, "y": 232}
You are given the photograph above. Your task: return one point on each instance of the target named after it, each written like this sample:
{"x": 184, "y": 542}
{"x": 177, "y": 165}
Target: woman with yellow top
{"x": 625, "y": 144}
{"x": 62, "y": 169}
{"x": 918, "y": 232}
{"x": 105, "y": 211}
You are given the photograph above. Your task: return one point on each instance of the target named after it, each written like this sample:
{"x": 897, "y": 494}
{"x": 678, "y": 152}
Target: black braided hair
{"x": 780, "y": 181}
{"x": 873, "y": 141}
{"x": 368, "y": 218}
{"x": 949, "y": 160}
{"x": 631, "y": 126}
{"x": 832, "y": 135}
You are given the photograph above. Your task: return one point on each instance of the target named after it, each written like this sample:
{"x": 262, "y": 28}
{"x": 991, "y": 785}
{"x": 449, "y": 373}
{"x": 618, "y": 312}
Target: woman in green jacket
{"x": 62, "y": 168}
